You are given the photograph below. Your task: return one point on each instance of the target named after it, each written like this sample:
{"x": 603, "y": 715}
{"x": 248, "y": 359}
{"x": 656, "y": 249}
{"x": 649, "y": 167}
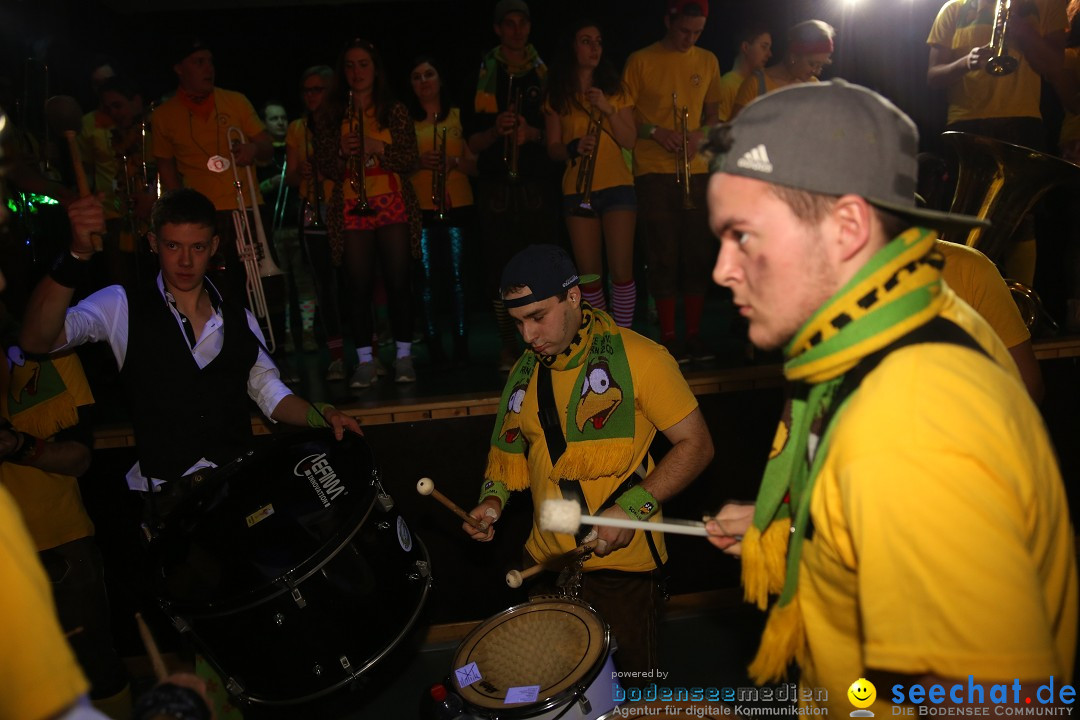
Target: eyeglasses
{"x": 312, "y": 90}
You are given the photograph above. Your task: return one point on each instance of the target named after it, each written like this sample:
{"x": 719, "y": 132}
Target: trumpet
{"x": 587, "y": 167}
{"x": 682, "y": 156}
{"x": 510, "y": 146}
{"x": 438, "y": 178}
{"x": 251, "y": 243}
{"x": 356, "y": 163}
{"x": 1001, "y": 63}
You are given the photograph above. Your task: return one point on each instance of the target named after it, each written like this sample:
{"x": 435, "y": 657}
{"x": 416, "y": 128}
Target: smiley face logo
{"x": 862, "y": 693}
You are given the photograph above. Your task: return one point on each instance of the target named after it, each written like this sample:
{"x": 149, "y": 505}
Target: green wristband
{"x": 645, "y": 131}
{"x": 495, "y": 488}
{"x": 638, "y": 503}
{"x": 316, "y": 414}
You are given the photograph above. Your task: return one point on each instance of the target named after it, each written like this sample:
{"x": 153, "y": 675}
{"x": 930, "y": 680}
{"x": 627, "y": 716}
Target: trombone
{"x": 510, "y": 145}
{"x": 682, "y": 156}
{"x": 438, "y": 178}
{"x": 258, "y": 264}
{"x": 1001, "y": 63}
{"x": 356, "y": 162}
{"x": 587, "y": 166}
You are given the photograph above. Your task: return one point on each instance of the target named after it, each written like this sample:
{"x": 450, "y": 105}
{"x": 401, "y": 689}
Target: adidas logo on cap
{"x": 756, "y": 159}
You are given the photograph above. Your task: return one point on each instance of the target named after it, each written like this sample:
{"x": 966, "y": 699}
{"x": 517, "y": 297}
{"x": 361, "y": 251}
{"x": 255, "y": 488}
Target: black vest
{"x": 181, "y": 412}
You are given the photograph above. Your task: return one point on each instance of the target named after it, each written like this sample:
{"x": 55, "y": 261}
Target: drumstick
{"x": 564, "y": 516}
{"x": 65, "y": 118}
{"x": 151, "y": 649}
{"x": 426, "y": 486}
{"x": 514, "y": 578}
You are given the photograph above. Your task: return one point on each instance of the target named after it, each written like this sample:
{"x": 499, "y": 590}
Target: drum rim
{"x": 286, "y": 581}
{"x": 559, "y": 699}
{"x": 355, "y": 674}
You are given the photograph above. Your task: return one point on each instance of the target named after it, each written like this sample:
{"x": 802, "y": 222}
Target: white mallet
{"x": 514, "y": 578}
{"x": 564, "y": 516}
{"x": 426, "y": 486}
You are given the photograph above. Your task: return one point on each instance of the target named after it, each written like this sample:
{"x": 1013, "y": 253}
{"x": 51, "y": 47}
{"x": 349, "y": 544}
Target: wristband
{"x": 29, "y": 450}
{"x": 316, "y": 414}
{"x": 571, "y": 149}
{"x": 69, "y": 270}
{"x": 497, "y": 489}
{"x": 645, "y": 132}
{"x": 638, "y": 503}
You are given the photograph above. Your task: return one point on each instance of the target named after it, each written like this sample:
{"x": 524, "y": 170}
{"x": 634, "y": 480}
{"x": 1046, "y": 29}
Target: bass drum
{"x": 297, "y": 575}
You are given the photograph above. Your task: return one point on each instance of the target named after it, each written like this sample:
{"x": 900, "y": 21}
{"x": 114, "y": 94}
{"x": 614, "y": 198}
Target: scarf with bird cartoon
{"x": 897, "y": 291}
{"x": 599, "y": 418}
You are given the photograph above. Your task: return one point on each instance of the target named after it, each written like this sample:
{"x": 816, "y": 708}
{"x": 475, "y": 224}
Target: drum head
{"x": 286, "y": 512}
{"x": 558, "y": 644}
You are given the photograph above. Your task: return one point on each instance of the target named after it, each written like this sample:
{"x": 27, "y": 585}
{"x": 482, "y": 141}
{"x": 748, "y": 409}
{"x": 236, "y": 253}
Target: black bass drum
{"x": 296, "y": 575}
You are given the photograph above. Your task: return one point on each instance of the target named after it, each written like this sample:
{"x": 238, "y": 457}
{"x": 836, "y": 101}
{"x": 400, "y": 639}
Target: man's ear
{"x": 151, "y": 240}
{"x": 854, "y": 220}
{"x": 214, "y": 244}
{"x": 574, "y": 295}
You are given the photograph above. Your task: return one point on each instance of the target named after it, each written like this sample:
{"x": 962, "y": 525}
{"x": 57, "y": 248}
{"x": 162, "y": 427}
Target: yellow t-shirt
{"x": 191, "y": 141}
{"x": 377, "y": 181}
{"x": 41, "y": 675}
{"x": 730, "y": 83}
{"x": 42, "y": 398}
{"x": 296, "y": 137}
{"x": 457, "y": 183}
{"x": 942, "y": 542}
{"x": 977, "y": 281}
{"x": 979, "y": 95}
{"x": 611, "y": 168}
{"x": 1070, "y": 126}
{"x": 750, "y": 89}
{"x": 652, "y": 74}
{"x": 661, "y": 399}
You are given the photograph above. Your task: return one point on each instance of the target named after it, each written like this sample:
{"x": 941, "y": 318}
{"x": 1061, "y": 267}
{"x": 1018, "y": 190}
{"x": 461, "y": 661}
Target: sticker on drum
{"x": 559, "y": 645}
{"x": 404, "y": 537}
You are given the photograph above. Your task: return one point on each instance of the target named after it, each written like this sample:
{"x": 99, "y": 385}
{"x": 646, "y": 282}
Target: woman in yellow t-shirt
{"x": 374, "y": 151}
{"x": 810, "y": 49}
{"x": 581, "y": 85}
{"x": 442, "y": 240}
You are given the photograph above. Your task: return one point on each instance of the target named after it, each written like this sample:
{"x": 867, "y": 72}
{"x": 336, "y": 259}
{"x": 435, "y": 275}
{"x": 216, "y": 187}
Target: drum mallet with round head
{"x": 564, "y": 516}
{"x": 426, "y": 486}
{"x": 514, "y": 578}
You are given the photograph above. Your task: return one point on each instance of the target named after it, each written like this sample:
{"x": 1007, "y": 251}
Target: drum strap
{"x": 556, "y": 444}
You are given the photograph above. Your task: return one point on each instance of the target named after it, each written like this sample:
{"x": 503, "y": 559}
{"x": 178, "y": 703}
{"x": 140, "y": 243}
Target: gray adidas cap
{"x": 833, "y": 138}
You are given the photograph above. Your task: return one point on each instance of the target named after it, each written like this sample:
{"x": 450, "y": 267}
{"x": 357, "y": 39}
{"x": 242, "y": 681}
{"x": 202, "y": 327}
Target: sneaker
{"x": 403, "y": 370}
{"x": 364, "y": 375}
{"x": 336, "y": 371}
{"x": 698, "y": 350}
{"x": 677, "y": 350}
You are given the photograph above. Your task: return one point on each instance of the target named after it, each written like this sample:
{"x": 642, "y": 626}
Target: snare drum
{"x": 559, "y": 644}
{"x": 299, "y": 576}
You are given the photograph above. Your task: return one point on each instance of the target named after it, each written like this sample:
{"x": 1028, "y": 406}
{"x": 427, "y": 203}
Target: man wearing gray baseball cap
{"x": 911, "y": 517}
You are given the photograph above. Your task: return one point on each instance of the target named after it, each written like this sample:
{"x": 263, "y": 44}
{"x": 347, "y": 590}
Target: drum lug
{"x": 346, "y": 665}
{"x": 180, "y": 624}
{"x": 583, "y": 701}
{"x": 298, "y": 598}
{"x": 235, "y": 688}
{"x": 386, "y": 503}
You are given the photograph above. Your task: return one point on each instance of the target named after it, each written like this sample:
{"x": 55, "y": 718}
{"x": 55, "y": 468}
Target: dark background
{"x": 262, "y": 46}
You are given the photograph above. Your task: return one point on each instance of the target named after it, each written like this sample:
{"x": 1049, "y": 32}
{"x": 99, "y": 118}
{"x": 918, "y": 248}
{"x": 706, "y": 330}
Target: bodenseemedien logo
{"x": 861, "y": 694}
{"x": 975, "y": 698}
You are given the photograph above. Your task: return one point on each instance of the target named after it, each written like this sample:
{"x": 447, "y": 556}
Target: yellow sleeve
{"x": 941, "y": 32}
{"x": 712, "y": 93}
{"x": 748, "y": 91}
{"x": 659, "y": 386}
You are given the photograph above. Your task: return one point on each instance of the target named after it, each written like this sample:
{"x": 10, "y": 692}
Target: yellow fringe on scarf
{"x": 782, "y": 640}
{"x": 763, "y": 557}
{"x": 595, "y": 459}
{"x": 512, "y": 470}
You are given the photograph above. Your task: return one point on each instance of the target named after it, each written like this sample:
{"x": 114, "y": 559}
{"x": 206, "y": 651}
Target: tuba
{"x": 1002, "y": 182}
{"x": 251, "y": 243}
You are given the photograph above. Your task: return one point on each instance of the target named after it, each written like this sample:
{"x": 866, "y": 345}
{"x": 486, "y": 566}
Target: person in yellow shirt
{"x": 809, "y": 51}
{"x": 912, "y": 517}
{"x": 314, "y": 193}
{"x": 443, "y": 154}
{"x": 583, "y": 86}
{"x": 662, "y": 79}
{"x": 755, "y": 49}
{"x": 608, "y": 391}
